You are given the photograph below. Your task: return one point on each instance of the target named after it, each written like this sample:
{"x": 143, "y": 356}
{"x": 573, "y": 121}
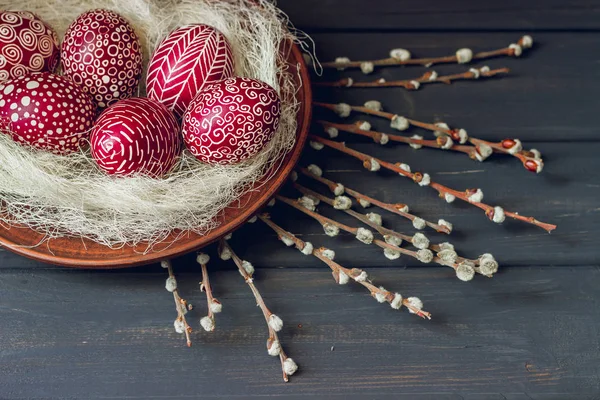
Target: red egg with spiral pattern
{"x": 101, "y": 53}
{"x": 231, "y": 120}
{"x": 136, "y": 136}
{"x": 187, "y": 60}
{"x": 27, "y": 44}
{"x": 46, "y": 111}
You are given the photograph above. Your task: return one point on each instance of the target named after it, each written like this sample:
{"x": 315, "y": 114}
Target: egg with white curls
{"x": 46, "y": 111}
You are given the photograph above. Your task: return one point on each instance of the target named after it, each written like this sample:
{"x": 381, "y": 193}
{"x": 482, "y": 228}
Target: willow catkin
{"x": 69, "y": 195}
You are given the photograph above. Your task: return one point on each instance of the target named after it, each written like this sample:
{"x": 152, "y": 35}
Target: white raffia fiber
{"x": 69, "y": 195}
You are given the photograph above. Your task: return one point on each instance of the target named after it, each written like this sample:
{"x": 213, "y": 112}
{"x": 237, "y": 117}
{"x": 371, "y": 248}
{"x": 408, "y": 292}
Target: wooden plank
{"x": 442, "y": 15}
{"x": 565, "y": 193}
{"x": 528, "y": 332}
{"x": 546, "y": 97}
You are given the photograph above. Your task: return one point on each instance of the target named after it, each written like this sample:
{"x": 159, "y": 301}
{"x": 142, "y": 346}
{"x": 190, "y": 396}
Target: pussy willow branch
{"x": 511, "y": 51}
{"x": 530, "y": 159}
{"x": 495, "y": 214}
{"x": 180, "y": 304}
{"x": 269, "y": 316}
{"x": 394, "y": 208}
{"x": 415, "y": 84}
{"x": 214, "y": 305}
{"x": 342, "y": 274}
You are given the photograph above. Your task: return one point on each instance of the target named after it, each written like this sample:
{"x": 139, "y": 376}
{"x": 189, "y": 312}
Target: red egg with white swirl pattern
{"x": 27, "y": 44}
{"x": 136, "y": 136}
{"x": 187, "y": 60}
{"x": 231, "y": 120}
{"x": 46, "y": 111}
{"x": 101, "y": 53}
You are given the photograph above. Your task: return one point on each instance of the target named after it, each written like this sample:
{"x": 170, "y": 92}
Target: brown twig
{"x": 415, "y": 84}
{"x": 342, "y": 274}
{"x": 181, "y": 324}
{"x": 462, "y": 56}
{"x": 531, "y": 159}
{"x": 274, "y": 323}
{"x": 214, "y": 305}
{"x": 396, "y": 208}
{"x": 471, "y": 196}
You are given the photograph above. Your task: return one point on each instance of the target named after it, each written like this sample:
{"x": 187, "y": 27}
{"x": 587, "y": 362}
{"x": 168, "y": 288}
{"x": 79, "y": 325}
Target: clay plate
{"x": 84, "y": 253}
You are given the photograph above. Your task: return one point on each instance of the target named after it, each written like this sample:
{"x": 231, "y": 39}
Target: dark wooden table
{"x": 531, "y": 332}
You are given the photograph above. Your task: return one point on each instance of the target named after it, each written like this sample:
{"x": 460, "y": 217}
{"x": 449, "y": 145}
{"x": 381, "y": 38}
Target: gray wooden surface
{"x": 533, "y": 331}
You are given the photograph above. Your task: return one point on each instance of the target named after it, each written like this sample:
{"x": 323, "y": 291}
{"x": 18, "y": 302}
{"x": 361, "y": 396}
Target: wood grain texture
{"x": 528, "y": 332}
{"x": 440, "y": 15}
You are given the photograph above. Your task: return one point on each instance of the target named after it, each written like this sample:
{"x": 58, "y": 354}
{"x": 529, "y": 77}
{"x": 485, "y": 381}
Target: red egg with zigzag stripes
{"x": 136, "y": 136}
{"x": 187, "y": 60}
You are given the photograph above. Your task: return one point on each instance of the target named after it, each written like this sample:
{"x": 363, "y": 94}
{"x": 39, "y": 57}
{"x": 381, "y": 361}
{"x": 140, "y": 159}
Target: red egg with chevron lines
{"x": 136, "y": 136}
{"x": 188, "y": 59}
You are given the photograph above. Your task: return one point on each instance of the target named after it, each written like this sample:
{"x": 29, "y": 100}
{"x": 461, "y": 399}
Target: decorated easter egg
{"x": 46, "y": 111}
{"x": 27, "y": 44}
{"x": 137, "y": 135}
{"x": 101, "y": 53}
{"x": 187, "y": 60}
{"x": 231, "y": 120}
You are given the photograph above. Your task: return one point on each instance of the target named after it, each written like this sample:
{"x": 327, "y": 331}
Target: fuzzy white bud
{"x": 475, "y": 72}
{"x": 248, "y": 267}
{"x": 375, "y": 218}
{"x": 446, "y": 246}
{"x": 332, "y": 132}
{"x": 228, "y": 236}
{"x": 216, "y": 306}
{"x": 361, "y": 277}
{"x": 465, "y": 271}
{"x": 397, "y": 302}
{"x": 364, "y": 126}
{"x": 379, "y": 296}
{"x": 393, "y": 240}
{"x": 433, "y": 75}
{"x": 339, "y": 189}
{"x": 448, "y": 256}
{"x": 415, "y": 85}
{"x": 484, "y": 70}
{"x": 343, "y": 278}
{"x": 373, "y": 105}
{"x": 341, "y": 63}
{"x": 488, "y": 266}
{"x": 287, "y": 240}
{"x": 316, "y": 145}
{"x": 425, "y": 256}
{"x": 202, "y": 258}
{"x": 349, "y": 82}
{"x": 315, "y": 170}
{"x": 307, "y": 249}
{"x": 416, "y": 145}
{"x": 165, "y": 264}
{"x": 364, "y": 203}
{"x": 536, "y": 154}
{"x": 415, "y": 302}
{"x": 255, "y": 218}
{"x": 391, "y": 254}
{"x": 516, "y": 49}
{"x": 374, "y": 165}
{"x": 419, "y": 223}
{"x": 273, "y": 347}
{"x": 400, "y": 54}
{"x": 483, "y": 151}
{"x": 425, "y": 181}
{"x": 449, "y": 197}
{"x": 179, "y": 326}
{"x": 526, "y": 42}
{"x": 364, "y": 235}
{"x": 171, "y": 284}
{"x": 443, "y": 222}
{"x": 307, "y": 203}
{"x": 441, "y": 125}
{"x": 518, "y": 146}
{"x": 462, "y": 136}
{"x": 476, "y": 197}
{"x": 225, "y": 253}
{"x": 343, "y": 110}
{"x": 208, "y": 323}
{"x": 289, "y": 366}
{"x": 447, "y": 144}
{"x": 420, "y": 241}
{"x": 271, "y": 202}
{"x": 499, "y": 216}
{"x": 342, "y": 203}
{"x": 384, "y": 139}
{"x": 275, "y": 322}
{"x": 464, "y": 56}
{"x": 330, "y": 229}
{"x": 399, "y": 123}
{"x": 367, "y": 67}
{"x": 328, "y": 253}
{"x": 404, "y": 167}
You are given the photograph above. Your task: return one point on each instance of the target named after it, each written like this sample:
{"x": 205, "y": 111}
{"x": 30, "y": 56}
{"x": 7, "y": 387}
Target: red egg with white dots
{"x": 136, "y": 136}
{"x": 231, "y": 120}
{"x": 46, "y": 111}
{"x": 101, "y": 53}
{"x": 27, "y": 44}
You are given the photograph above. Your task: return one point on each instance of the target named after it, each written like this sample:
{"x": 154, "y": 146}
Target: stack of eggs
{"x": 193, "y": 96}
